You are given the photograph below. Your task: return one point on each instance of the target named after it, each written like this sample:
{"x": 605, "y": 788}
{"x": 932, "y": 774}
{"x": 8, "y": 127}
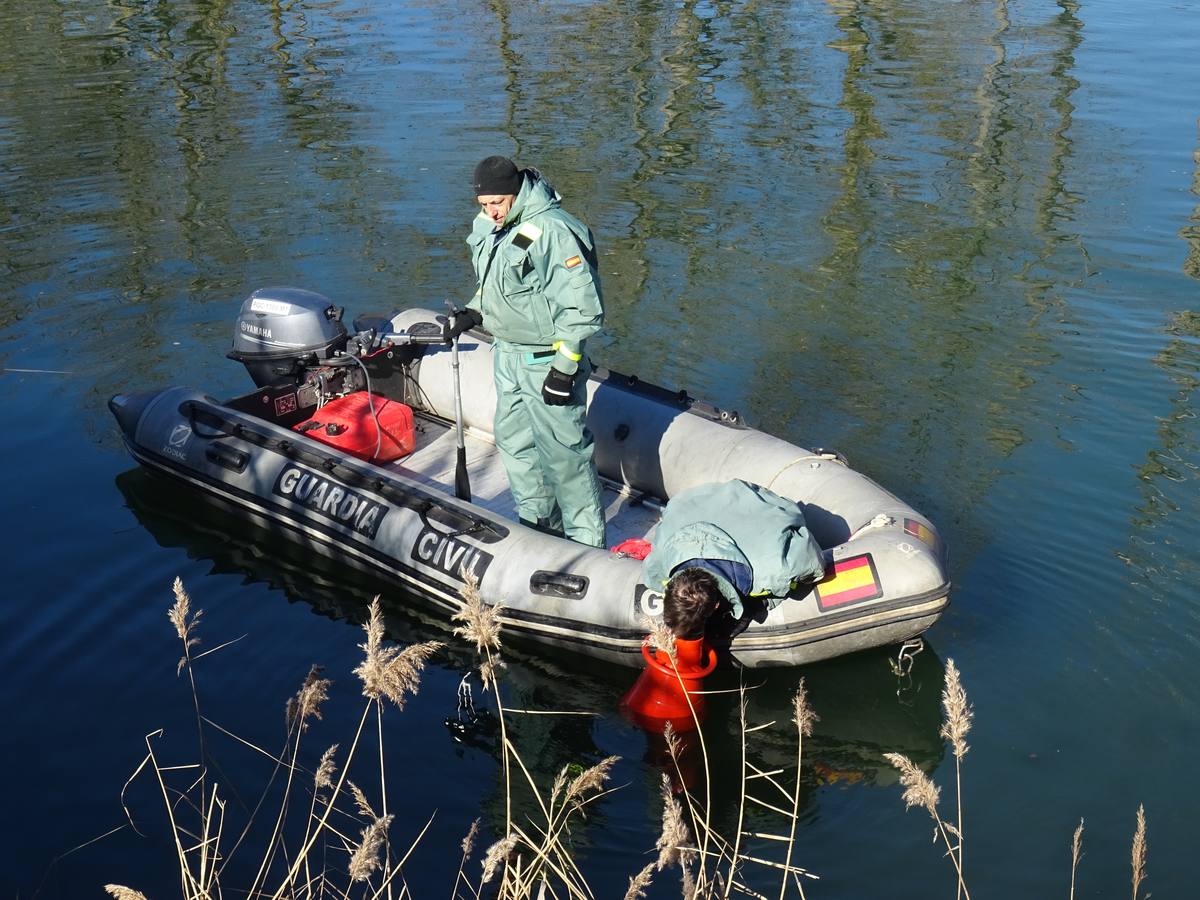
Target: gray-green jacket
{"x": 538, "y": 286}
{"x": 742, "y": 523}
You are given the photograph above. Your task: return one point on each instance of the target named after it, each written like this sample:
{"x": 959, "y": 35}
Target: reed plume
{"x": 803, "y": 717}
{"x": 918, "y": 789}
{"x": 120, "y": 892}
{"x": 639, "y": 882}
{"x": 480, "y": 622}
{"x": 496, "y": 854}
{"x": 1138, "y": 852}
{"x": 468, "y": 847}
{"x": 802, "y": 714}
{"x": 185, "y": 621}
{"x": 660, "y": 636}
{"x": 675, "y": 837}
{"x": 325, "y": 770}
{"x": 1076, "y": 853}
{"x": 592, "y": 779}
{"x": 958, "y": 712}
{"x": 360, "y": 801}
{"x": 956, "y": 724}
{"x": 308, "y": 700}
{"x": 390, "y": 671}
{"x": 367, "y": 856}
{"x": 468, "y": 842}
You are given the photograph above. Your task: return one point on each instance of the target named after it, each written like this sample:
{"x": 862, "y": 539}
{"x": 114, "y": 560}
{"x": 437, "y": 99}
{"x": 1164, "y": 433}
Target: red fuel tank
{"x": 362, "y": 423}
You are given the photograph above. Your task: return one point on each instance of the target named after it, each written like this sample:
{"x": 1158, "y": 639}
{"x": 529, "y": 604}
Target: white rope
{"x": 817, "y": 457}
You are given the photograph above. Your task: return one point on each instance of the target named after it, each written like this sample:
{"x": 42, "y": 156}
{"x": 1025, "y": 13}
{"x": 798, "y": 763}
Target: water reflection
{"x": 1170, "y": 470}
{"x": 1191, "y": 233}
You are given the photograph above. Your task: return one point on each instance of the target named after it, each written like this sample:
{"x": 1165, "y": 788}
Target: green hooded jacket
{"x": 538, "y": 285}
{"x": 744, "y": 524}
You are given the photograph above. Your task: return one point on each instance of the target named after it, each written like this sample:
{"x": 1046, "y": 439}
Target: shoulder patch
{"x": 572, "y": 262}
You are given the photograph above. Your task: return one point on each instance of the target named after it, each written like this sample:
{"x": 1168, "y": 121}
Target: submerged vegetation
{"x": 316, "y": 833}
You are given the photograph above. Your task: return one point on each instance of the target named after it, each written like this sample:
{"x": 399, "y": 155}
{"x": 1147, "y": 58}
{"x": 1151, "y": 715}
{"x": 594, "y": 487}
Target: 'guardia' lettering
{"x": 331, "y": 500}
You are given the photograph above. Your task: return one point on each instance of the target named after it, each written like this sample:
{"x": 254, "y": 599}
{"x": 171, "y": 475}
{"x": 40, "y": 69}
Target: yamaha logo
{"x": 257, "y": 330}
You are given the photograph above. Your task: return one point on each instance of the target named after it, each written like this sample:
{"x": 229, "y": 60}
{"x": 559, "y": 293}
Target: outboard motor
{"x": 281, "y": 331}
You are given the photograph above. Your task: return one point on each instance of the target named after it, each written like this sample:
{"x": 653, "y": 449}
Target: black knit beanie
{"x": 496, "y": 175}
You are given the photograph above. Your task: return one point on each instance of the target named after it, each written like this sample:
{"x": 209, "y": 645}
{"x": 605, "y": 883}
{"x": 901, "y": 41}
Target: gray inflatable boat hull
{"x": 401, "y": 520}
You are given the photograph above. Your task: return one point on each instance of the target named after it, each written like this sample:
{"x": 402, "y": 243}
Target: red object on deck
{"x": 662, "y": 696}
{"x": 349, "y": 424}
{"x": 633, "y": 547}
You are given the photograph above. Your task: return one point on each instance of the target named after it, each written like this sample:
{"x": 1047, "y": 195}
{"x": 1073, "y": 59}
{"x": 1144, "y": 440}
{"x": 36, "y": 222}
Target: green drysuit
{"x": 739, "y": 523}
{"x": 539, "y": 296}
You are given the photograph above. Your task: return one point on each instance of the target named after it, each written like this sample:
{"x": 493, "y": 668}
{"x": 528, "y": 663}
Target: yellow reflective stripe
{"x": 561, "y": 348}
{"x": 530, "y": 231}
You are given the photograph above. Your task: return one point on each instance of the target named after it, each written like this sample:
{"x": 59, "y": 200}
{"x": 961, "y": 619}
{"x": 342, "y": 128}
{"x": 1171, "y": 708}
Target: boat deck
{"x": 433, "y": 462}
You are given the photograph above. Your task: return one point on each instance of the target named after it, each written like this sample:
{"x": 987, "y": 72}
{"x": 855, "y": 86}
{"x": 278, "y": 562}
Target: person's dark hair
{"x": 691, "y": 597}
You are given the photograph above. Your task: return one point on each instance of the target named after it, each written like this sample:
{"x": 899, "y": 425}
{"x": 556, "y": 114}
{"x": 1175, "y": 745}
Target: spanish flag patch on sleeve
{"x": 572, "y": 262}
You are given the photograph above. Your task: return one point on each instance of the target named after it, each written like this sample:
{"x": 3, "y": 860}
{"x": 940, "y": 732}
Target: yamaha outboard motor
{"x": 282, "y": 330}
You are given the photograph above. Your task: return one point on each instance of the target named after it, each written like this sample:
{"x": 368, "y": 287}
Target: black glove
{"x": 558, "y": 388}
{"x": 458, "y": 321}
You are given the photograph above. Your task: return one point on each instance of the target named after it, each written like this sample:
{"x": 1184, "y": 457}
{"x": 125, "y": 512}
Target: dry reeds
{"x": 307, "y": 702}
{"x": 714, "y": 865}
{"x": 1076, "y": 854}
{"x": 387, "y": 673}
{"x": 659, "y": 636}
{"x": 919, "y": 789}
{"x": 185, "y": 622}
{"x": 390, "y": 672}
{"x": 366, "y": 857}
{"x": 804, "y": 719}
{"x": 1138, "y": 851}
{"x": 533, "y": 859}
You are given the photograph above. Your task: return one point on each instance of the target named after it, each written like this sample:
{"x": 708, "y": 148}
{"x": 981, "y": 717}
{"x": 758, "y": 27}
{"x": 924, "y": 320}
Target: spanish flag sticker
{"x": 922, "y": 532}
{"x": 853, "y": 580}
{"x": 572, "y": 262}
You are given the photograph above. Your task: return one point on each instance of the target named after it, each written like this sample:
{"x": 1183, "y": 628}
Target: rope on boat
{"x": 818, "y": 456}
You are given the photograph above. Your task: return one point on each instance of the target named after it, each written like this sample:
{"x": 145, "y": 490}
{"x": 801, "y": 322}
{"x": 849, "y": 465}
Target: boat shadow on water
{"x": 866, "y": 709}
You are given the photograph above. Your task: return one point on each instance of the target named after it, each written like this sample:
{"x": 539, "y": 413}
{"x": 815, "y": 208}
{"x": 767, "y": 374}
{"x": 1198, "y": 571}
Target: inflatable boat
{"x": 349, "y": 445}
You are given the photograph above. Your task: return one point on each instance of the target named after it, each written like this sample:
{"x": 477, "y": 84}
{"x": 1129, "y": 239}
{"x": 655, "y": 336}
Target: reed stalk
{"x": 1138, "y": 851}
{"x": 533, "y": 860}
{"x": 661, "y": 638}
{"x": 737, "y": 834}
{"x": 186, "y": 624}
{"x": 1076, "y": 853}
{"x": 956, "y": 724}
{"x": 804, "y": 718}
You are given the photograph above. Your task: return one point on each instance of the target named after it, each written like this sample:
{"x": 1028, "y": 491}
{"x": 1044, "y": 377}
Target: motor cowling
{"x": 282, "y": 330}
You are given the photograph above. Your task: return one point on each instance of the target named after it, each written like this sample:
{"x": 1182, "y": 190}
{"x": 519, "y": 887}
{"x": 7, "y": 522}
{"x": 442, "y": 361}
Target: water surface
{"x": 959, "y": 242}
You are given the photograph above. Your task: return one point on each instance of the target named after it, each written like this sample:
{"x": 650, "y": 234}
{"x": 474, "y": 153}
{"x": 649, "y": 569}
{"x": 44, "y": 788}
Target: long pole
{"x": 462, "y": 482}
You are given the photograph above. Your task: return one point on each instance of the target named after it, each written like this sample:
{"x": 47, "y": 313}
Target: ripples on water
{"x": 957, "y": 241}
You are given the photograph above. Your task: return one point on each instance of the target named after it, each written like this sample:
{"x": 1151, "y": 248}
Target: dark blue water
{"x": 959, "y": 242}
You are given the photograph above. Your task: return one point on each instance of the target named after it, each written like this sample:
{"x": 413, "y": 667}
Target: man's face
{"x": 496, "y": 206}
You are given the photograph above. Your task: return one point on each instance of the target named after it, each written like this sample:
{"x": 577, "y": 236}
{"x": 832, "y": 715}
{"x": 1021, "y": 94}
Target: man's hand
{"x": 458, "y": 321}
{"x": 558, "y": 388}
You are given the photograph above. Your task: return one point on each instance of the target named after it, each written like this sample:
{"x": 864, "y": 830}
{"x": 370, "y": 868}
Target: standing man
{"x": 539, "y": 295}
